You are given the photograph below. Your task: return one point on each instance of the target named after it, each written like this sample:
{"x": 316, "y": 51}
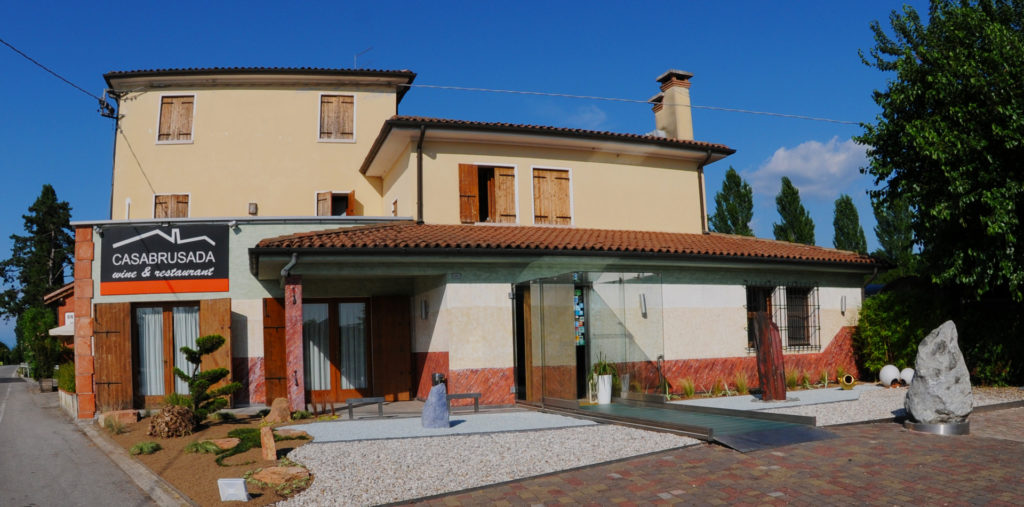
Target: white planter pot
{"x": 604, "y": 389}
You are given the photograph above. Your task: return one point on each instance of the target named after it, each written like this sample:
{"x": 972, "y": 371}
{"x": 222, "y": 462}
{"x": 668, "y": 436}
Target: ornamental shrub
{"x": 66, "y": 377}
{"x": 205, "y": 400}
{"x": 893, "y": 322}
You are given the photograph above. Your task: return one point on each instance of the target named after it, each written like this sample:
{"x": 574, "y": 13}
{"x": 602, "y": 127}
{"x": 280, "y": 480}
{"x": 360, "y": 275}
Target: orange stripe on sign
{"x": 163, "y": 286}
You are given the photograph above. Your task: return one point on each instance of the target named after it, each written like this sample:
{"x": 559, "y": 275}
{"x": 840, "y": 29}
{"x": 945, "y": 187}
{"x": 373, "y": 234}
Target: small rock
{"x": 267, "y": 442}
{"x": 435, "y": 409}
{"x": 225, "y": 443}
{"x": 279, "y": 411}
{"x": 293, "y": 433}
{"x": 280, "y": 475}
{"x": 941, "y": 390}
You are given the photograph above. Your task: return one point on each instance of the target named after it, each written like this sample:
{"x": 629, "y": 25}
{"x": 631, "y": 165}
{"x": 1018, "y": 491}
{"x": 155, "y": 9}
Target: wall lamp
{"x": 643, "y": 305}
{"x": 423, "y": 309}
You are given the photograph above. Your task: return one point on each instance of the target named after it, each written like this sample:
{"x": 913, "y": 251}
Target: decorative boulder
{"x": 770, "y": 366}
{"x": 279, "y": 411}
{"x": 225, "y": 443}
{"x": 941, "y": 388}
{"x": 268, "y": 447}
{"x": 280, "y": 475}
{"x": 435, "y": 410}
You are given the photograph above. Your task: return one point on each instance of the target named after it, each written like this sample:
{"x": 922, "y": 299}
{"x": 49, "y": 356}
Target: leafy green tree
{"x": 205, "y": 401}
{"x": 734, "y": 206}
{"x": 40, "y": 259}
{"x": 849, "y": 235}
{"x": 42, "y": 351}
{"x": 894, "y": 233}
{"x": 950, "y": 138}
{"x": 796, "y": 225}
{"x": 5, "y": 353}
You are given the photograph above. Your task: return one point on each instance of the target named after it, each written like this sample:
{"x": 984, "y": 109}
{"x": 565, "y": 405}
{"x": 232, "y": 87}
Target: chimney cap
{"x": 657, "y": 99}
{"x": 681, "y": 75}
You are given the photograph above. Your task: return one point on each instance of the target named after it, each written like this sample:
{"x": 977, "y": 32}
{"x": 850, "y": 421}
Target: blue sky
{"x": 790, "y": 57}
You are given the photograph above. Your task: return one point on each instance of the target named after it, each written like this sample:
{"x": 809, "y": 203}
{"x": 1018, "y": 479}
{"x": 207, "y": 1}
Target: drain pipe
{"x": 703, "y": 205}
{"x": 286, "y": 270}
{"x": 419, "y": 175}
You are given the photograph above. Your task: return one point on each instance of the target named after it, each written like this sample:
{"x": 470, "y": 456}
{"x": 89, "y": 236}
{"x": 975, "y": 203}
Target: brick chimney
{"x": 672, "y": 105}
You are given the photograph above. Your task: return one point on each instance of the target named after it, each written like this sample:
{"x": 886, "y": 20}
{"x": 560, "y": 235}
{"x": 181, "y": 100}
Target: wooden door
{"x": 215, "y": 319}
{"x": 391, "y": 347}
{"x": 112, "y": 326}
{"x": 275, "y": 370}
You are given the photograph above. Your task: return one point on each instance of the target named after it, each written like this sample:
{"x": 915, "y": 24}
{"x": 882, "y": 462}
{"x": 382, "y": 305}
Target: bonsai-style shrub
{"x": 172, "y": 422}
{"x": 204, "y": 400}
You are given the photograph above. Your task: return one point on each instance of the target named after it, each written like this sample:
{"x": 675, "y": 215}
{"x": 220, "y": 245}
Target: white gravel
{"x": 372, "y": 472}
{"x": 885, "y": 403}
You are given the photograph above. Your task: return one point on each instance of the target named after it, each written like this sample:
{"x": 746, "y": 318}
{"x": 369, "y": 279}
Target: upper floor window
{"x": 335, "y": 204}
{"x": 170, "y": 206}
{"x": 793, "y": 308}
{"x": 487, "y": 194}
{"x": 336, "y": 118}
{"x": 176, "y": 119}
{"x": 551, "y": 197}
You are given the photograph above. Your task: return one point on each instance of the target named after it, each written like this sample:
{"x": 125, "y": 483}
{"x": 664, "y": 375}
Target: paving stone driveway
{"x": 869, "y": 464}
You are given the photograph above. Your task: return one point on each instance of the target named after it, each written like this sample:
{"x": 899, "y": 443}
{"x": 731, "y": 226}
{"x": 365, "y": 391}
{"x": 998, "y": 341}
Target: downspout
{"x": 419, "y": 175}
{"x": 286, "y": 270}
{"x": 703, "y": 206}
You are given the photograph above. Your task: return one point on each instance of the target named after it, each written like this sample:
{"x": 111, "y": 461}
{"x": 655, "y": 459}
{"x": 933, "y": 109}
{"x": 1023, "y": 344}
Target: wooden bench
{"x": 362, "y": 402}
{"x": 465, "y": 396}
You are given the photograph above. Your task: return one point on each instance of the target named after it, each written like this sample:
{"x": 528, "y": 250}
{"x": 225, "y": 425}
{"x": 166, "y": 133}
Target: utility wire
{"x": 635, "y": 101}
{"x": 136, "y": 157}
{"x": 47, "y": 69}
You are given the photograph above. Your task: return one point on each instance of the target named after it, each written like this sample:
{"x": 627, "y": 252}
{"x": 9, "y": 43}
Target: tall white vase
{"x": 604, "y": 389}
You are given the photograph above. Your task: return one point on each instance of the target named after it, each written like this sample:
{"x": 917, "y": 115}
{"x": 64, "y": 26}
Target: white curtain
{"x": 186, "y": 330}
{"x": 351, "y": 321}
{"x": 316, "y": 342}
{"x": 150, "y": 322}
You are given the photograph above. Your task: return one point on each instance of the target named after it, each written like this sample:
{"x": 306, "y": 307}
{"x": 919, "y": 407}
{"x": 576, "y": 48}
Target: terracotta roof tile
{"x": 540, "y": 239}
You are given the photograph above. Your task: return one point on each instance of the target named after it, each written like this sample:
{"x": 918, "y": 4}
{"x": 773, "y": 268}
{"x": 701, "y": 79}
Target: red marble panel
{"x": 293, "y": 342}
{"x": 493, "y": 384}
{"x": 248, "y": 371}
{"x": 427, "y": 363}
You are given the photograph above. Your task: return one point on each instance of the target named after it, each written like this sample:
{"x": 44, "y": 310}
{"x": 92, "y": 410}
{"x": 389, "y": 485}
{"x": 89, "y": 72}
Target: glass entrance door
{"x": 336, "y": 350}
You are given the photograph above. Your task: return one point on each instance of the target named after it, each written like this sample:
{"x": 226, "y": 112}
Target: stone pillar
{"x": 770, "y": 365}
{"x": 84, "y": 388}
{"x": 293, "y": 342}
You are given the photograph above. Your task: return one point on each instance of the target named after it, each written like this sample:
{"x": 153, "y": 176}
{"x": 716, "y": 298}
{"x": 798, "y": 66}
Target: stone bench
{"x": 465, "y": 396}
{"x": 362, "y": 402}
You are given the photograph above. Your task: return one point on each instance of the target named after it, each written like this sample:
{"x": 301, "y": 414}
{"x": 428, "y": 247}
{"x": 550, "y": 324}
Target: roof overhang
{"x": 65, "y": 330}
{"x": 397, "y": 135}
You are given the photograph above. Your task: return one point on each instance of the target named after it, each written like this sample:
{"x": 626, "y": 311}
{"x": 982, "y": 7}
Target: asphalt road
{"x": 45, "y": 459}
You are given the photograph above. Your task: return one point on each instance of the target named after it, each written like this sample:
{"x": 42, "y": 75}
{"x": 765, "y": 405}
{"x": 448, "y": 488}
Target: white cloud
{"x": 588, "y": 117}
{"x": 818, "y": 170}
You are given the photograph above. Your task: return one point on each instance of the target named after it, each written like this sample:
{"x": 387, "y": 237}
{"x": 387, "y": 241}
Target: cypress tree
{"x": 849, "y": 235}
{"x": 796, "y": 225}
{"x": 734, "y": 206}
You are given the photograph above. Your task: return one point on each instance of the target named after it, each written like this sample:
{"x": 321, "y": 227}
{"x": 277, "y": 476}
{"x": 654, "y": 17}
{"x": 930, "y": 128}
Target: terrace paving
{"x": 868, "y": 464}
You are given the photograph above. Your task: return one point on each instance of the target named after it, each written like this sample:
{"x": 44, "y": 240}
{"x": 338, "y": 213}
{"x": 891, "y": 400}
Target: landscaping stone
{"x": 267, "y": 443}
{"x": 293, "y": 433}
{"x": 225, "y": 443}
{"x": 770, "y": 367}
{"x": 280, "y": 475}
{"x": 435, "y": 410}
{"x": 941, "y": 390}
{"x": 120, "y": 416}
{"x": 279, "y": 411}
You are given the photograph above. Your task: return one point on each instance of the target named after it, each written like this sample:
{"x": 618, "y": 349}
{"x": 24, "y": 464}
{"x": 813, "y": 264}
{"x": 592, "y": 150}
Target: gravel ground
{"x": 371, "y": 472}
{"x": 887, "y": 404}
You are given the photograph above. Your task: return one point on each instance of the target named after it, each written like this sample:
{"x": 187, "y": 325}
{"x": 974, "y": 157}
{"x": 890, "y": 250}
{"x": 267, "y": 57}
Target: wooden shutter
{"x": 551, "y": 197}
{"x": 275, "y": 370}
{"x": 162, "y": 206}
{"x": 166, "y": 118}
{"x": 469, "y": 199}
{"x": 391, "y": 346}
{"x": 170, "y": 206}
{"x": 350, "y": 210}
{"x": 504, "y": 195}
{"x": 215, "y": 318}
{"x": 323, "y": 204}
{"x": 176, "y": 118}
{"x": 179, "y": 206}
{"x": 336, "y": 117}
{"x": 112, "y": 331}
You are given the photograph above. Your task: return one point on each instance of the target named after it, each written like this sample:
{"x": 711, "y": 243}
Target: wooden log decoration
{"x": 770, "y": 365}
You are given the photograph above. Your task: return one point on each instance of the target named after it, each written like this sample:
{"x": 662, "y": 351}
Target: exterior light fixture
{"x": 643, "y": 305}
{"x": 253, "y": 208}
{"x": 842, "y": 305}
{"x": 423, "y": 309}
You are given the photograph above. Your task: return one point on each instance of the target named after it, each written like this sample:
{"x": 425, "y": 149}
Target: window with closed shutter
{"x": 170, "y": 206}
{"x": 176, "y": 119}
{"x": 551, "y": 202}
{"x": 336, "y": 117}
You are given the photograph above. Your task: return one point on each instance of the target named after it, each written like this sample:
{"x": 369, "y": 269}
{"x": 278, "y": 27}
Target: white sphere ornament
{"x": 907, "y": 375}
{"x": 888, "y": 375}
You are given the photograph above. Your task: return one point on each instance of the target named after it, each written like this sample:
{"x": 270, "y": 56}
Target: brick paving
{"x": 869, "y": 464}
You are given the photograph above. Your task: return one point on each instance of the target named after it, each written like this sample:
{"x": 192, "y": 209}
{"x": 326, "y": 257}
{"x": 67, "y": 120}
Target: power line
{"x": 47, "y": 69}
{"x": 136, "y": 157}
{"x": 634, "y": 101}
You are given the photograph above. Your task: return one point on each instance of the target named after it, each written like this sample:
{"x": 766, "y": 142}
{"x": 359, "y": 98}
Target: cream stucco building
{"x": 346, "y": 250}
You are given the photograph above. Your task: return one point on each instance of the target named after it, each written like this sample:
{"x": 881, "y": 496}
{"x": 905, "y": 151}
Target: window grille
{"x": 793, "y": 307}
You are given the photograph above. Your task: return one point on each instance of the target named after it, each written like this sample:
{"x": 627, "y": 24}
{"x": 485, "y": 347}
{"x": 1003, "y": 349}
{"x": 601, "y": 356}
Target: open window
{"x": 335, "y": 204}
{"x": 487, "y": 194}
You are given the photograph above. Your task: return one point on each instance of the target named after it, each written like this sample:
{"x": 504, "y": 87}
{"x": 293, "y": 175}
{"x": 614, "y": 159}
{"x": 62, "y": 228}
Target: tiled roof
{"x": 483, "y": 239}
{"x": 255, "y": 70}
{"x": 415, "y": 121}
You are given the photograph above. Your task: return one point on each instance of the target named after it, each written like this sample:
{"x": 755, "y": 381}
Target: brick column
{"x": 293, "y": 342}
{"x": 84, "y": 387}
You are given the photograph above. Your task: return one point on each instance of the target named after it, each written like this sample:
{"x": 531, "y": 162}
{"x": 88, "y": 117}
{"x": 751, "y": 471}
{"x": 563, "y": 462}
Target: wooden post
{"x": 770, "y": 365}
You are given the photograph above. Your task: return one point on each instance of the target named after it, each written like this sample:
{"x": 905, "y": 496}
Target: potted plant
{"x": 605, "y": 373}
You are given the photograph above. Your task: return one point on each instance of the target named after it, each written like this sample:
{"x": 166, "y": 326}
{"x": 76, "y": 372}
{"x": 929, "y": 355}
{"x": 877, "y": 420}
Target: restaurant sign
{"x": 157, "y": 259}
